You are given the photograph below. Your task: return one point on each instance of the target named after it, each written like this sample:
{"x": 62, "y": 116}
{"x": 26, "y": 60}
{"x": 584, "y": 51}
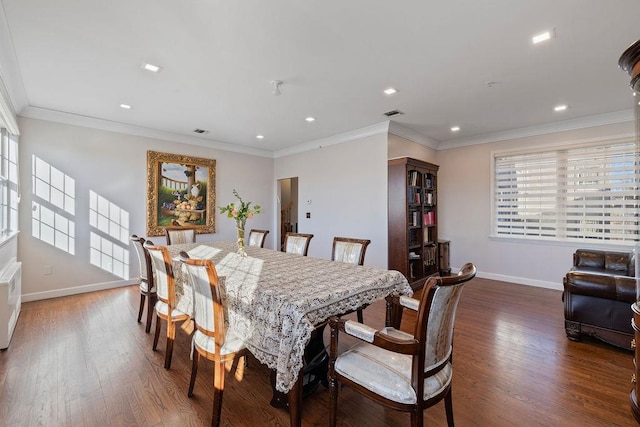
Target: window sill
{"x": 6, "y": 238}
{"x": 583, "y": 244}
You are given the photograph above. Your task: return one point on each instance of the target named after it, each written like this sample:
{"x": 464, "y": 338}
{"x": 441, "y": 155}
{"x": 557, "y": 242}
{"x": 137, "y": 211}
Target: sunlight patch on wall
{"x": 53, "y": 186}
{"x": 109, "y": 256}
{"x": 109, "y": 243}
{"x": 52, "y": 228}
{"x": 49, "y": 218}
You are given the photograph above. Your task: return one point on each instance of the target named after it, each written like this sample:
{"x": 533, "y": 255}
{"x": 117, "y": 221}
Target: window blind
{"x": 582, "y": 193}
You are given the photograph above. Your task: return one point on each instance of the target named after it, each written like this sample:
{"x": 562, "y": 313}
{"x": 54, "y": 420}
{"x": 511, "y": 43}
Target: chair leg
{"x": 417, "y": 418}
{"x": 360, "y": 318}
{"x": 142, "y": 296}
{"x": 150, "y": 313}
{"x": 218, "y": 389}
{"x": 194, "y": 371}
{"x": 157, "y": 334}
{"x": 448, "y": 404}
{"x": 171, "y": 335}
{"x": 333, "y": 402}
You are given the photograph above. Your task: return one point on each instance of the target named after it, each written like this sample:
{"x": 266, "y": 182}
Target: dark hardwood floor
{"x": 84, "y": 361}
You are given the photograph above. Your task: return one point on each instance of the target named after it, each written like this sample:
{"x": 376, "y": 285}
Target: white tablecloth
{"x": 274, "y": 299}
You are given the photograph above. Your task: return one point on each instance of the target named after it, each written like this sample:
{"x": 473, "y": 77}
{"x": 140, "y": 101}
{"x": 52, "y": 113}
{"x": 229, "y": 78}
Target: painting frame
{"x": 162, "y": 211}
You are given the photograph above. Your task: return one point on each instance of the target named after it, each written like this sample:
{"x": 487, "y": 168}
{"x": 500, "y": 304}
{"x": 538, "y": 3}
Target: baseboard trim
{"x": 36, "y": 296}
{"x": 521, "y": 281}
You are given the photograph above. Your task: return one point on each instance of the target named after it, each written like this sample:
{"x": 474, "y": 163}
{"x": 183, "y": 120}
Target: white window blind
{"x": 583, "y": 193}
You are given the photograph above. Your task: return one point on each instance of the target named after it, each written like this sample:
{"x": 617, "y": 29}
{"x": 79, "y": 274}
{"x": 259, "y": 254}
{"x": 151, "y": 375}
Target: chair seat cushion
{"x": 144, "y": 287}
{"x": 232, "y": 343}
{"x": 163, "y": 309}
{"x": 388, "y": 374}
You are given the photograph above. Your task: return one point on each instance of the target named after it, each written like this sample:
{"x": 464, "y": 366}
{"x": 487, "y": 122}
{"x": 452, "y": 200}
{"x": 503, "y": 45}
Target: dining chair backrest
{"x": 349, "y": 250}
{"x": 179, "y": 235}
{"x": 297, "y": 243}
{"x": 208, "y": 311}
{"x": 437, "y": 314}
{"x": 164, "y": 279}
{"x": 257, "y": 237}
{"x": 143, "y": 257}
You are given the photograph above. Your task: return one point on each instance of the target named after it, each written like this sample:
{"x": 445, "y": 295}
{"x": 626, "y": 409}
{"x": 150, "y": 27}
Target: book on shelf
{"x": 430, "y": 255}
{"x": 429, "y": 218}
{"x": 413, "y": 237}
{"x": 413, "y": 178}
{"x": 427, "y": 238}
{"x": 428, "y": 180}
{"x": 414, "y": 195}
{"x": 414, "y": 218}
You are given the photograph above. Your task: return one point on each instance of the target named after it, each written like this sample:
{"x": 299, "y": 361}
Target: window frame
{"x": 9, "y": 184}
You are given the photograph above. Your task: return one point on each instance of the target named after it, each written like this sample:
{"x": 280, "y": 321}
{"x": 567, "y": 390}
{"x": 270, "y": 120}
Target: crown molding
{"x": 406, "y": 133}
{"x": 92, "y": 122}
{"x": 364, "y": 132}
{"x": 563, "y": 126}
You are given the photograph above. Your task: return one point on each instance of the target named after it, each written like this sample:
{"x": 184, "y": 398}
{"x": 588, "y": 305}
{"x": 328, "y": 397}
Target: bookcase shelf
{"x": 413, "y": 219}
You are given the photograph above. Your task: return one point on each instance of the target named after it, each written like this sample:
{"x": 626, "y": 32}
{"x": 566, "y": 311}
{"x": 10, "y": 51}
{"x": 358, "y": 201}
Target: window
{"x": 8, "y": 183}
{"x": 586, "y": 193}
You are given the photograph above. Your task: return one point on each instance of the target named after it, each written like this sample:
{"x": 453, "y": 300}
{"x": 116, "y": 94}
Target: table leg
{"x": 278, "y": 398}
{"x": 295, "y": 402}
{"x": 316, "y": 362}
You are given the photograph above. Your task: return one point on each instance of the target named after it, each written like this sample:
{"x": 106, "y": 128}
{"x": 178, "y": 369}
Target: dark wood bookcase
{"x": 413, "y": 219}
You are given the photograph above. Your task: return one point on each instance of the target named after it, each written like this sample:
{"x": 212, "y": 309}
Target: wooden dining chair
{"x": 402, "y": 371}
{"x": 177, "y": 235}
{"x": 257, "y": 237}
{"x": 211, "y": 337}
{"x": 147, "y": 286}
{"x": 352, "y": 251}
{"x": 165, "y": 306}
{"x": 297, "y": 243}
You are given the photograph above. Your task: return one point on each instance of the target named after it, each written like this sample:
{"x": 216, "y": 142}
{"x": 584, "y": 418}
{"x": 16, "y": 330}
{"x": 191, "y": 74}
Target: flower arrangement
{"x": 241, "y": 212}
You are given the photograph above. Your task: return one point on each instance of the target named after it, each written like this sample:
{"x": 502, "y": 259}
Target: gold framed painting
{"x": 181, "y": 191}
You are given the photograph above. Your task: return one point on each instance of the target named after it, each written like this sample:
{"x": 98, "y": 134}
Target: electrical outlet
{"x": 46, "y": 270}
{"x": 308, "y": 214}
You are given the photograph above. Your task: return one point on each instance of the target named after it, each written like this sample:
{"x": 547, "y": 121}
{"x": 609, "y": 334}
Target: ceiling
{"x": 82, "y": 58}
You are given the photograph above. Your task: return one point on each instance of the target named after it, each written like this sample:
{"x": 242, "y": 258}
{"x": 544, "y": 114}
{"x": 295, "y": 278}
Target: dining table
{"x": 274, "y": 300}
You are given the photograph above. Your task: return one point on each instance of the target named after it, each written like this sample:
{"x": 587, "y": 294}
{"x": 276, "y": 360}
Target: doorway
{"x": 288, "y": 197}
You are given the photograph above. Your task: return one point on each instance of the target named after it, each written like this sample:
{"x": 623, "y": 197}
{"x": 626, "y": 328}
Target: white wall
{"x": 402, "y": 147}
{"x": 464, "y": 194}
{"x": 347, "y": 186}
{"x": 114, "y": 166}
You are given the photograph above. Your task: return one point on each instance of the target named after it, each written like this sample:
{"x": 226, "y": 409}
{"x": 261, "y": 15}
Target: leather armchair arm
{"x": 608, "y": 286}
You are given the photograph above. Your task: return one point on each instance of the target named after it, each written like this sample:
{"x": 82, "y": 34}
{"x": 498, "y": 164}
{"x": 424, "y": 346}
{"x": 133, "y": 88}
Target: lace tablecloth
{"x": 273, "y": 299}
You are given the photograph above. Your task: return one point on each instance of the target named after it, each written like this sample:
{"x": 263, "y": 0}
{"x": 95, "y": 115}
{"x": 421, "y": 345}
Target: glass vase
{"x": 240, "y": 241}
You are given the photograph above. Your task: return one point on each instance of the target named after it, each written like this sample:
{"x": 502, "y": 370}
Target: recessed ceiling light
{"x": 310, "y": 119}
{"x": 390, "y": 91}
{"x": 560, "y": 107}
{"x": 455, "y": 128}
{"x": 125, "y": 106}
{"x": 151, "y": 67}
{"x": 539, "y": 38}
{"x": 260, "y": 136}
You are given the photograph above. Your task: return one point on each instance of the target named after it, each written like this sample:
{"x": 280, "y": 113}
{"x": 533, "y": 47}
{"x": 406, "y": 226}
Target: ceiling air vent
{"x": 393, "y": 113}
{"x": 201, "y": 131}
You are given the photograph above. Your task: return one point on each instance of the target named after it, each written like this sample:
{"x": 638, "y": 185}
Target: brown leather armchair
{"x": 598, "y": 292}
